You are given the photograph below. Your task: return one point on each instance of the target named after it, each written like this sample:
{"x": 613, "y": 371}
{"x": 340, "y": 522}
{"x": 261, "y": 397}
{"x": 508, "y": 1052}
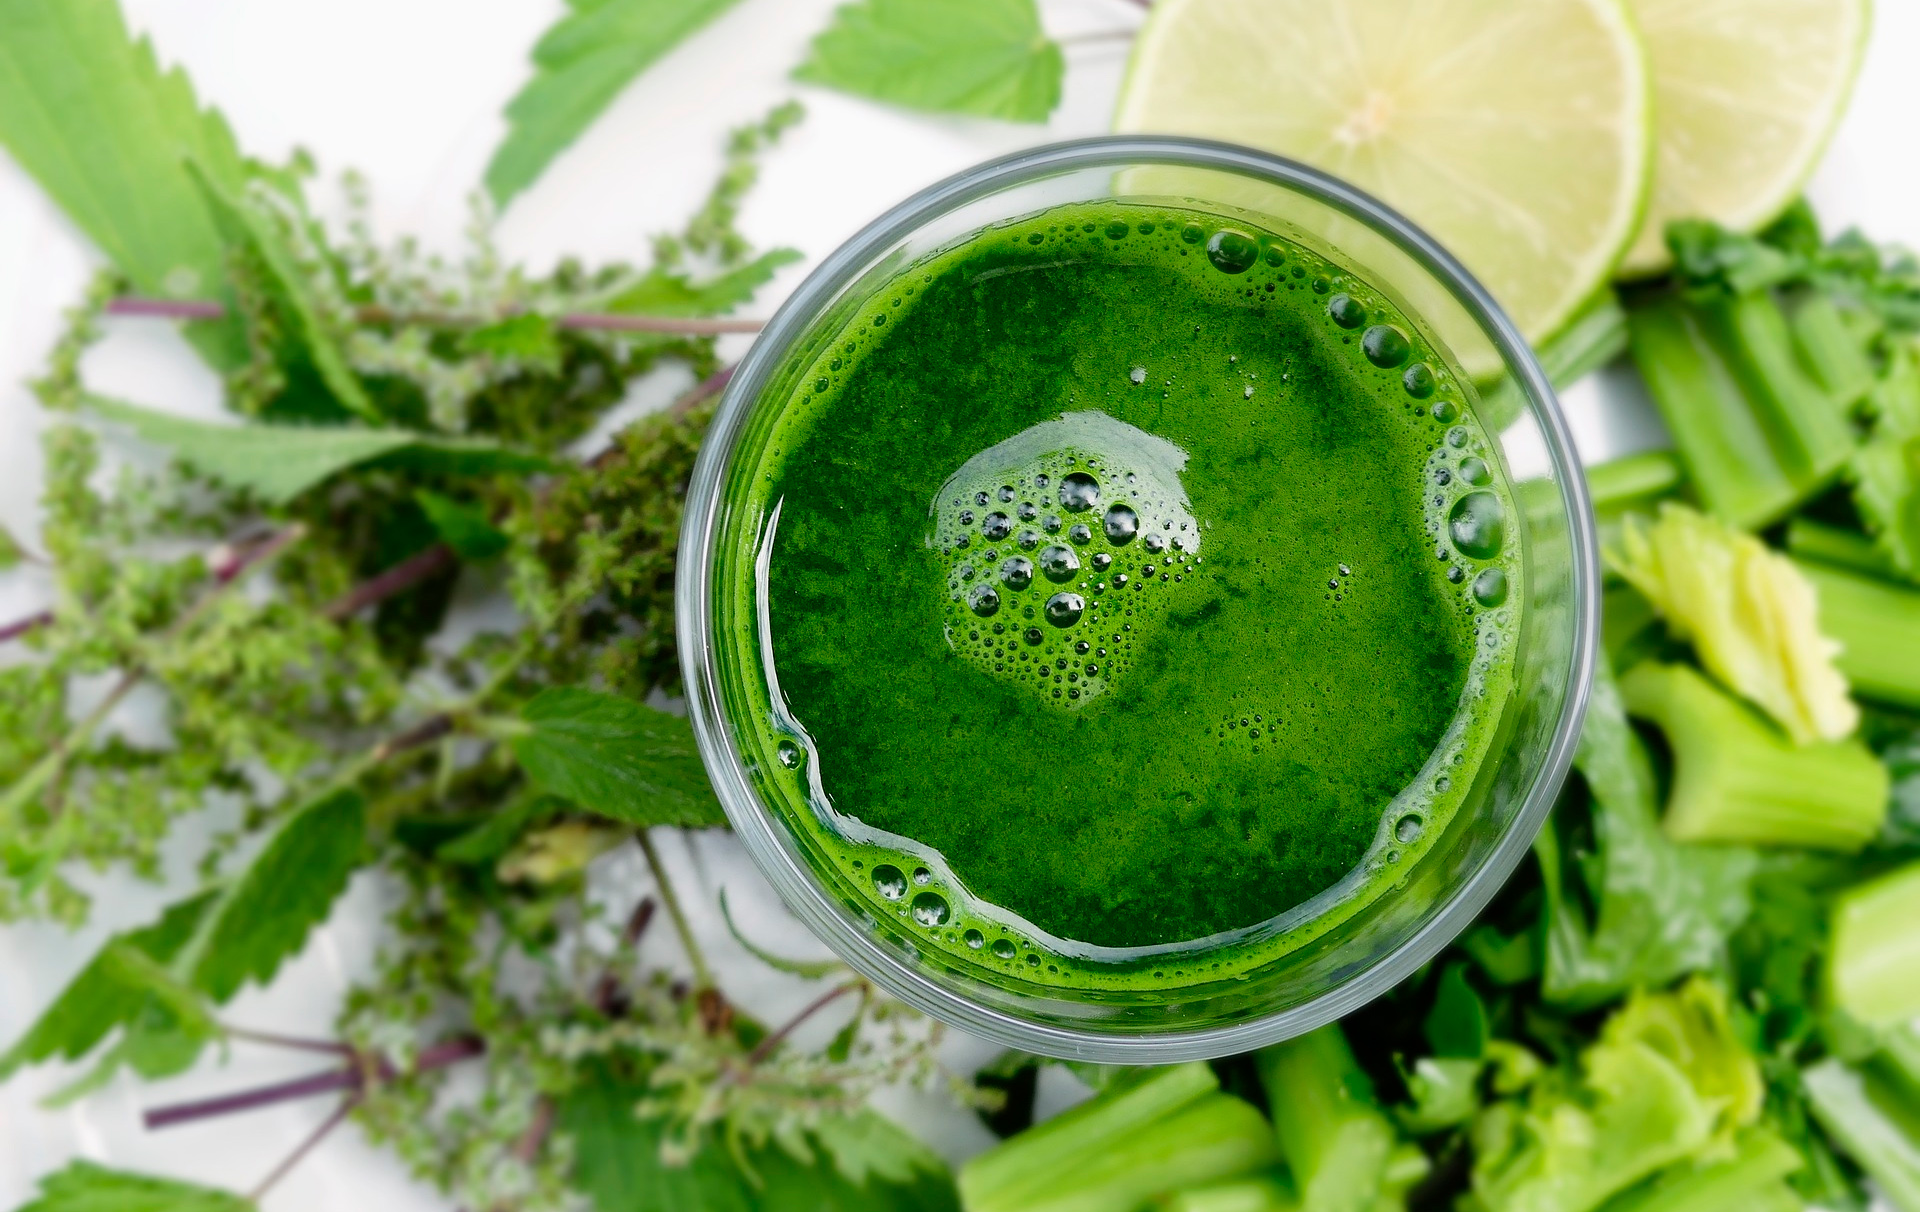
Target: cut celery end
{"x": 1214, "y": 1138}
{"x": 1736, "y": 778}
{"x": 1761, "y": 1160}
{"x": 1048, "y": 1154}
{"x": 1261, "y": 1193}
{"x": 1634, "y": 480}
{"x": 1334, "y": 1136}
{"x": 1807, "y": 429}
{"x": 1861, "y": 1116}
{"x": 1848, "y": 549}
{"x": 1878, "y": 626}
{"x": 1728, "y": 456}
{"x": 1873, "y": 967}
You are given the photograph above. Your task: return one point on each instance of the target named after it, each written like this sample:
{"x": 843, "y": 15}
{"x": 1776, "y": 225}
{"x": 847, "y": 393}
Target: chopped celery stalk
{"x": 1214, "y": 1138}
{"x": 1849, "y": 549}
{"x": 1736, "y": 778}
{"x": 1809, "y": 431}
{"x": 1261, "y": 1193}
{"x": 1899, "y": 1062}
{"x": 1873, "y": 969}
{"x": 1334, "y": 1135}
{"x": 1595, "y": 336}
{"x": 1407, "y": 1167}
{"x": 1886, "y": 490}
{"x": 1729, "y": 459}
{"x": 1878, "y": 626}
{"x": 1832, "y": 351}
{"x": 1866, "y": 1121}
{"x": 1045, "y": 1156}
{"x": 1635, "y": 479}
{"x": 1759, "y": 1162}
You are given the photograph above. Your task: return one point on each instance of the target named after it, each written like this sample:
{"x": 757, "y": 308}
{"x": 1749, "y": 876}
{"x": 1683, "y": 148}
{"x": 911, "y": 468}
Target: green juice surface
{"x": 1137, "y": 586}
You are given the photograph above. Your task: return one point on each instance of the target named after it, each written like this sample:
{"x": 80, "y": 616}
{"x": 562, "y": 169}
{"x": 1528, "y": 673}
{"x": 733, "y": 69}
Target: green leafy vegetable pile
{"x": 1700, "y": 997}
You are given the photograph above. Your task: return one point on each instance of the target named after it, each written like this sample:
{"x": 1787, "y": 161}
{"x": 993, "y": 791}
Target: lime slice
{"x": 1746, "y": 93}
{"x": 1515, "y": 131}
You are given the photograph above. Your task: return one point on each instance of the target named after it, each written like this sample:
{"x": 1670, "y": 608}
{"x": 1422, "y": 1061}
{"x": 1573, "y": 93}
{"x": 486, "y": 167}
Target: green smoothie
{"x": 1136, "y": 593}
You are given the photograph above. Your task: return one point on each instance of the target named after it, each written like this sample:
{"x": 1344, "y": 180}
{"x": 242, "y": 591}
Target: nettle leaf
{"x": 86, "y": 109}
{"x": 279, "y": 462}
{"x": 663, "y": 292}
{"x": 986, "y": 57}
{"x": 86, "y": 1187}
{"x": 580, "y": 65}
{"x": 465, "y": 528}
{"x": 265, "y": 915}
{"x": 618, "y": 758}
{"x": 242, "y": 225}
{"x": 528, "y": 337}
{"x": 617, "y": 1163}
{"x": 100, "y": 999}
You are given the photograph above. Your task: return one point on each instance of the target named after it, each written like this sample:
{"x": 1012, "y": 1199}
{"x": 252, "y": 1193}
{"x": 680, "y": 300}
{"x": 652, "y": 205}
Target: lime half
{"x": 1746, "y": 93}
{"x": 1515, "y": 131}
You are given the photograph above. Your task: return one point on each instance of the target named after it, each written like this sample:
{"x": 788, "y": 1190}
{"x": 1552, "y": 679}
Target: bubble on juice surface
{"x": 1080, "y": 534}
{"x": 1079, "y": 492}
{"x": 1475, "y": 472}
{"x": 1478, "y": 525}
{"x": 1121, "y": 524}
{"x": 1385, "y": 346}
{"x": 930, "y": 909}
{"x": 1137, "y": 375}
{"x": 1016, "y": 572}
{"x": 790, "y": 754}
{"x": 974, "y": 939}
{"x": 997, "y": 526}
{"x": 1065, "y": 609}
{"x": 889, "y": 881}
{"x": 1408, "y": 829}
{"x": 1004, "y": 949}
{"x": 1060, "y": 564}
{"x": 1418, "y": 381}
{"x": 1347, "y": 311}
{"x": 984, "y": 601}
{"x": 1232, "y": 252}
{"x": 1490, "y": 587}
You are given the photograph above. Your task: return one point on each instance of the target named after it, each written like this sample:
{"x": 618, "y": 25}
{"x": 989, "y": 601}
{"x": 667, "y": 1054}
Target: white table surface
{"x": 409, "y": 92}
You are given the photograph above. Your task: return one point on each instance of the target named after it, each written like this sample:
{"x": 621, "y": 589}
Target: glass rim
{"x": 693, "y": 599}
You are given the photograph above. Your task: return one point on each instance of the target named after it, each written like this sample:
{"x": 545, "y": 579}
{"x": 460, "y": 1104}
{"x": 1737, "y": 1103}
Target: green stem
{"x": 1634, "y": 480}
{"x": 1878, "y": 626}
{"x": 1758, "y": 1165}
{"x": 1807, "y": 429}
{"x": 1334, "y": 1135}
{"x": 1865, "y": 1121}
{"x": 702, "y": 976}
{"x": 1594, "y": 337}
{"x": 1833, "y": 354}
{"x": 1873, "y": 967}
{"x": 1848, "y": 549}
{"x": 1737, "y": 778}
{"x": 1262, "y": 1193}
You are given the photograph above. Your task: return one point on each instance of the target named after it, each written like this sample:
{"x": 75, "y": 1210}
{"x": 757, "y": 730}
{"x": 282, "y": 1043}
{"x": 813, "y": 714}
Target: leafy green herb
{"x": 86, "y": 1187}
{"x": 580, "y": 66}
{"x": 985, "y": 57}
{"x": 616, "y": 757}
{"x": 462, "y": 527}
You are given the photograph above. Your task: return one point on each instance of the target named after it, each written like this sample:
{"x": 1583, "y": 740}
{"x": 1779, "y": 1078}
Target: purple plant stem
{"x": 20, "y": 627}
{"x": 398, "y": 579}
{"x": 818, "y": 1004}
{"x": 305, "y": 1147}
{"x": 354, "y": 1078}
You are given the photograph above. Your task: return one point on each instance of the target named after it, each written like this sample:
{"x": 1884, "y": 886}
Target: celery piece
{"x": 1735, "y": 1184}
{"x": 1807, "y": 427}
{"x": 1692, "y": 1026}
{"x": 1878, "y": 626}
{"x": 1737, "y": 779}
{"x": 1899, "y": 1062}
{"x": 1595, "y": 336}
{"x": 1873, "y": 967}
{"x": 1635, "y": 479}
{"x": 1334, "y": 1135}
{"x": 1886, "y": 490}
{"x": 1832, "y": 351}
{"x": 1261, "y": 1193}
{"x": 1729, "y": 458}
{"x": 1869, "y": 1124}
{"x": 1214, "y": 1138}
{"x": 1848, "y": 549}
{"x": 1049, "y": 1154}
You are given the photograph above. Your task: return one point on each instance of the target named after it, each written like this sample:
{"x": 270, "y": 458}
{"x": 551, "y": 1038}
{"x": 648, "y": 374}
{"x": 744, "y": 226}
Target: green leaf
{"x": 98, "y": 999}
{"x": 1457, "y": 1024}
{"x": 265, "y": 915}
{"x": 580, "y": 65}
{"x": 663, "y": 292}
{"x": 986, "y": 57}
{"x": 464, "y": 528}
{"x": 867, "y": 1147}
{"x": 618, "y": 758}
{"x": 11, "y": 553}
{"x": 244, "y": 226}
{"x": 528, "y": 337}
{"x": 279, "y": 462}
{"x": 811, "y": 969}
{"x": 88, "y": 112}
{"x": 85, "y": 1187}
{"x": 490, "y": 839}
{"x": 1661, "y": 908}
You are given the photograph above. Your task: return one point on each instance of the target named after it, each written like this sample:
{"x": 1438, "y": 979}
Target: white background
{"x": 409, "y": 92}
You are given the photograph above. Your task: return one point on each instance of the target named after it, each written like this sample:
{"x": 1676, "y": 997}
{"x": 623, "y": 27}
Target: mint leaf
{"x": 618, "y": 758}
{"x": 667, "y": 293}
{"x": 265, "y": 915}
{"x": 87, "y": 111}
{"x": 986, "y": 57}
{"x": 464, "y": 528}
{"x": 867, "y": 1147}
{"x": 85, "y": 1187}
{"x": 580, "y": 65}
{"x": 243, "y": 226}
{"x": 98, "y": 999}
{"x": 279, "y": 462}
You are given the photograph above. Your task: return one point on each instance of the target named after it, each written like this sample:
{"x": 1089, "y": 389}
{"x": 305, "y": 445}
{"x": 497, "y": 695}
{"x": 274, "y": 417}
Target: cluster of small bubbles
{"x": 1347, "y": 311}
{"x": 790, "y": 754}
{"x": 889, "y": 881}
{"x": 1419, "y": 381}
{"x": 1385, "y": 346}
